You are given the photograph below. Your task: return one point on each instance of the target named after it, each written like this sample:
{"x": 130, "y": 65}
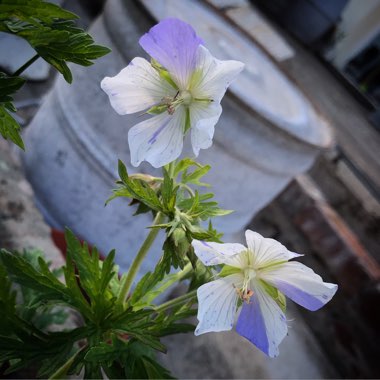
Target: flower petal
{"x": 158, "y": 140}
{"x": 203, "y": 117}
{"x": 301, "y": 284}
{"x": 217, "y": 302}
{"x": 262, "y": 322}
{"x": 217, "y": 253}
{"x": 136, "y": 88}
{"x": 267, "y": 251}
{"x": 173, "y": 43}
{"x": 212, "y": 76}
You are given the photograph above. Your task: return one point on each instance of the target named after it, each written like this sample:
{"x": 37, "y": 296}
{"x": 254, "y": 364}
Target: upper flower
{"x": 182, "y": 86}
{"x": 258, "y": 276}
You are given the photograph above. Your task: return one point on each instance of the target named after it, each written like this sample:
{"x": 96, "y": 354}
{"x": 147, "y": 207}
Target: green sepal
{"x": 163, "y": 73}
{"x": 279, "y": 297}
{"x": 187, "y": 122}
{"x": 157, "y": 110}
{"x": 227, "y": 270}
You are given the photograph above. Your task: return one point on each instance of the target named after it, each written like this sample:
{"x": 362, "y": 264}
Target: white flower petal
{"x": 158, "y": 140}
{"x": 203, "y": 117}
{"x": 212, "y": 76}
{"x": 217, "y": 301}
{"x": 216, "y": 253}
{"x": 136, "y": 88}
{"x": 262, "y": 322}
{"x": 301, "y": 284}
{"x": 267, "y": 251}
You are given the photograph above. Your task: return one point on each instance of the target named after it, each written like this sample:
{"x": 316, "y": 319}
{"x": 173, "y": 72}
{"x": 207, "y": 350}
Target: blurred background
{"x": 296, "y": 154}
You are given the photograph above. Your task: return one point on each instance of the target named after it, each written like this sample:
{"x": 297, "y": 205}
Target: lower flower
{"x": 256, "y": 277}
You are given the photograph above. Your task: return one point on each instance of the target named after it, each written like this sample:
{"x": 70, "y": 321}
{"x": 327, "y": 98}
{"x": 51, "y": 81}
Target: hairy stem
{"x": 133, "y": 270}
{"x": 26, "y": 65}
{"x": 177, "y": 301}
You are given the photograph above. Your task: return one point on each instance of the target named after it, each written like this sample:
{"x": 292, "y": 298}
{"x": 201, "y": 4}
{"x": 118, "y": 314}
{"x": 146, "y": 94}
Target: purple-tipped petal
{"x": 173, "y": 43}
{"x": 262, "y": 322}
{"x": 301, "y": 284}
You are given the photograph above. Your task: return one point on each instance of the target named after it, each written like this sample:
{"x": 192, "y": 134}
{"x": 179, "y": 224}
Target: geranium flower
{"x": 182, "y": 86}
{"x": 256, "y": 277}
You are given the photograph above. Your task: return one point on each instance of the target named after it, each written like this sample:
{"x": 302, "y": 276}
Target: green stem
{"x": 174, "y": 278}
{"x": 62, "y": 371}
{"x": 171, "y": 168}
{"x": 187, "y": 188}
{"x": 25, "y": 65}
{"x": 133, "y": 270}
{"x": 177, "y": 301}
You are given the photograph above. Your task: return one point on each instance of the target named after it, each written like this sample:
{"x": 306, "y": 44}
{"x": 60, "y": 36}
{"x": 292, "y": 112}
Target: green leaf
{"x": 25, "y": 274}
{"x": 8, "y": 86}
{"x": 94, "y": 278}
{"x": 168, "y": 193}
{"x": 7, "y": 298}
{"x": 198, "y": 206}
{"x": 196, "y": 175}
{"x": 50, "y": 30}
{"x": 137, "y": 189}
{"x": 27, "y": 10}
{"x": 9, "y": 128}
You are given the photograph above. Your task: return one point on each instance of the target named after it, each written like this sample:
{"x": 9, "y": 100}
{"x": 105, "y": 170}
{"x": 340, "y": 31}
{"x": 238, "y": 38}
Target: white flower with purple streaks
{"x": 259, "y": 276}
{"x": 182, "y": 87}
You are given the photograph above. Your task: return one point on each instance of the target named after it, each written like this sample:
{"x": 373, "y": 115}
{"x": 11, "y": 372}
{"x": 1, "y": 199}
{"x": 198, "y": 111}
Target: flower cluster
{"x": 182, "y": 88}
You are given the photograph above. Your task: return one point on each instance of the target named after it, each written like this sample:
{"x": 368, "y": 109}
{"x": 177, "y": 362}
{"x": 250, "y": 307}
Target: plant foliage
{"x": 114, "y": 337}
{"x": 52, "y": 33}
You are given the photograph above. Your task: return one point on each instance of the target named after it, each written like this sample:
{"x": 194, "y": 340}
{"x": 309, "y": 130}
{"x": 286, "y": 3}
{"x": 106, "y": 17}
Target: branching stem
{"x": 25, "y": 65}
{"x": 177, "y": 301}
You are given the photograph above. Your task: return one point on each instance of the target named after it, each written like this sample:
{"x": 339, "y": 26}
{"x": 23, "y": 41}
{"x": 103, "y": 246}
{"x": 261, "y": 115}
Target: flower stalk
{"x": 26, "y": 65}
{"x": 133, "y": 270}
{"x": 177, "y": 301}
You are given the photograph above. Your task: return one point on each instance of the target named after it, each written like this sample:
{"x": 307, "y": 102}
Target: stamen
{"x": 244, "y": 294}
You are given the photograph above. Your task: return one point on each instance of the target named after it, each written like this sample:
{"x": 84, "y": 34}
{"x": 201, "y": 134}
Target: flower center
{"x": 249, "y": 273}
{"x": 245, "y": 293}
{"x": 186, "y": 97}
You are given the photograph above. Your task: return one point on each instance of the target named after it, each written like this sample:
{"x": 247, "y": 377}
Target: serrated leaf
{"x": 25, "y": 274}
{"x": 9, "y": 128}
{"x": 8, "y": 86}
{"x": 50, "y": 30}
{"x": 168, "y": 193}
{"x": 33, "y": 9}
{"x": 196, "y": 175}
{"x": 185, "y": 164}
{"x": 137, "y": 189}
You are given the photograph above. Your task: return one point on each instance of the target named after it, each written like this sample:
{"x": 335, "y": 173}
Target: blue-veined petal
{"x": 136, "y": 88}
{"x": 217, "y": 253}
{"x": 212, "y": 76}
{"x": 262, "y": 322}
{"x": 217, "y": 302}
{"x": 158, "y": 140}
{"x": 301, "y": 284}
{"x": 173, "y": 43}
{"x": 267, "y": 251}
{"x": 203, "y": 117}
